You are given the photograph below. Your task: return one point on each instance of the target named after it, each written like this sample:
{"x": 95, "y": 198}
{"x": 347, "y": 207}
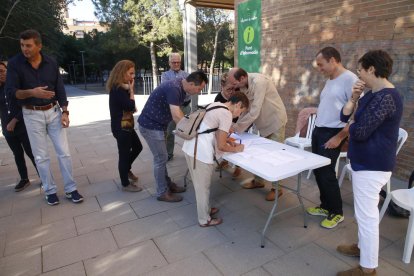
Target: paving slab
{"x": 112, "y": 199}
{"x": 393, "y": 255}
{"x": 194, "y": 265}
{"x": 242, "y": 254}
{"x": 257, "y": 272}
{"x": 95, "y": 189}
{"x": 150, "y": 206}
{"x": 76, "y": 269}
{"x": 76, "y": 249}
{"x": 22, "y": 220}
{"x": 189, "y": 241}
{"x": 28, "y": 262}
{"x": 68, "y": 209}
{"x": 105, "y": 218}
{"x": 310, "y": 260}
{"x": 35, "y": 237}
{"x": 143, "y": 229}
{"x": 131, "y": 260}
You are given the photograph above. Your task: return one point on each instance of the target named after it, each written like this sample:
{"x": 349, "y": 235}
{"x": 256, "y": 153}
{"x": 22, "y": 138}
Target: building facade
{"x": 294, "y": 30}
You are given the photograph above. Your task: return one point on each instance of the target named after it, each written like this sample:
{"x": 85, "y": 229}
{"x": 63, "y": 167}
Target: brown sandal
{"x": 212, "y": 222}
{"x": 214, "y": 211}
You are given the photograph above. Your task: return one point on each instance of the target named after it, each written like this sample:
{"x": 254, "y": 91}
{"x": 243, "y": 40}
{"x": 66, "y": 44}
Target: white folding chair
{"x": 303, "y": 142}
{"x": 402, "y": 137}
{"x": 405, "y": 199}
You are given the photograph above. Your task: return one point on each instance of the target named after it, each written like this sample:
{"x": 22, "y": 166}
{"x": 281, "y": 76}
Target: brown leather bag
{"x": 127, "y": 121}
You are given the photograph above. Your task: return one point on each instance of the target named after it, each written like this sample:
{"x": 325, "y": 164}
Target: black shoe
{"x": 52, "y": 199}
{"x": 22, "y": 185}
{"x": 74, "y": 196}
{"x": 170, "y": 157}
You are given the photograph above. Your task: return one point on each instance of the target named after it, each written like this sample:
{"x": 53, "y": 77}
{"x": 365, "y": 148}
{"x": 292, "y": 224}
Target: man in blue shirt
{"x": 175, "y": 72}
{"x": 34, "y": 79}
{"x": 163, "y": 105}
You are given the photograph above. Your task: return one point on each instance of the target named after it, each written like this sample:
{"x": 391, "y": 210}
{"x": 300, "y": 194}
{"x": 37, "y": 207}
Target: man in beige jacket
{"x": 266, "y": 111}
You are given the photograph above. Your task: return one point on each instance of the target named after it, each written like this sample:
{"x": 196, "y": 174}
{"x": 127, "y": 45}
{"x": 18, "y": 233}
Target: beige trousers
{"x": 201, "y": 177}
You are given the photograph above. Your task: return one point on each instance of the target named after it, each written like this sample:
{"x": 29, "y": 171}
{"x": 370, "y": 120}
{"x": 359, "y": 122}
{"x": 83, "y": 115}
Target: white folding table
{"x": 275, "y": 161}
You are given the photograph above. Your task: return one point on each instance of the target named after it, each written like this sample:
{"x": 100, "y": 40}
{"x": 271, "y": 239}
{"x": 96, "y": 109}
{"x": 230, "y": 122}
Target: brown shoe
{"x": 132, "y": 176}
{"x": 213, "y": 211}
{"x": 357, "y": 271}
{"x": 272, "y": 193}
{"x": 223, "y": 164}
{"x": 253, "y": 185}
{"x": 237, "y": 172}
{"x": 132, "y": 188}
{"x": 169, "y": 197}
{"x": 212, "y": 222}
{"x": 174, "y": 188}
{"x": 350, "y": 250}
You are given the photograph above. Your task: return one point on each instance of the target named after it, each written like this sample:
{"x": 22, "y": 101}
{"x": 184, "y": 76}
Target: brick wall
{"x": 294, "y": 30}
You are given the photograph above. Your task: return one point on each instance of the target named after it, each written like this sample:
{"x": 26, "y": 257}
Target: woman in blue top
{"x": 120, "y": 85}
{"x": 374, "y": 121}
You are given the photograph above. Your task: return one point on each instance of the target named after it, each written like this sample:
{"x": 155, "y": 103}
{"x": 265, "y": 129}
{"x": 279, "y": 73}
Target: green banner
{"x": 249, "y": 25}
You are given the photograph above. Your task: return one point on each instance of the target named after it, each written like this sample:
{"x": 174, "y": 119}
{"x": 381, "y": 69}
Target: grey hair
{"x": 174, "y": 55}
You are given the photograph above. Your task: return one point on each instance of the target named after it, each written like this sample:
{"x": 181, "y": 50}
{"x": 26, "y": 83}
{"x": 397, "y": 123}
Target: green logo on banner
{"x": 248, "y": 35}
{"x": 249, "y": 28}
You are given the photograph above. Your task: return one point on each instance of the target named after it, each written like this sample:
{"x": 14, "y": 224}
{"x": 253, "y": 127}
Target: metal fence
{"x": 147, "y": 84}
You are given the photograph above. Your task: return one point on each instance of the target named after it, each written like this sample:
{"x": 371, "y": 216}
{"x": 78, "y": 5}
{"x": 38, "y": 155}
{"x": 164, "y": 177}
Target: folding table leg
{"x": 270, "y": 217}
{"x": 299, "y": 185}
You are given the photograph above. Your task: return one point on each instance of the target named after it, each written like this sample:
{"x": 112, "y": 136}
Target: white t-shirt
{"x": 333, "y": 97}
{"x": 220, "y": 118}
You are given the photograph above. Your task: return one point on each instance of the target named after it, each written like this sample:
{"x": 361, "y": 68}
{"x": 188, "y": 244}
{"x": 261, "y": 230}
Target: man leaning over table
{"x": 330, "y": 132}
{"x": 34, "y": 79}
{"x": 266, "y": 111}
{"x": 175, "y": 72}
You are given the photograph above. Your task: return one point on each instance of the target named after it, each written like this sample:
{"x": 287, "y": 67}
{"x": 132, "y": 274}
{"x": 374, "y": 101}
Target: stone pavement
{"x": 119, "y": 233}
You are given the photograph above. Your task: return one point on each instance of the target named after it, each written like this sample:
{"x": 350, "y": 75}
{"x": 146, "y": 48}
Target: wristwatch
{"x": 65, "y": 111}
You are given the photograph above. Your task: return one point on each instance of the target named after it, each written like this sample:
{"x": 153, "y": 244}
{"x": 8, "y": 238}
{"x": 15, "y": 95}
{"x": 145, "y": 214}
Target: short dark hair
{"x": 237, "y": 97}
{"x": 198, "y": 77}
{"x": 240, "y": 72}
{"x": 29, "y": 34}
{"x": 380, "y": 60}
{"x": 330, "y": 52}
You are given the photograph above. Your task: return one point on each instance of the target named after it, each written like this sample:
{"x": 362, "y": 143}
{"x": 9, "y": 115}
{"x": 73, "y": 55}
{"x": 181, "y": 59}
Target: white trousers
{"x": 366, "y": 186}
{"x": 201, "y": 177}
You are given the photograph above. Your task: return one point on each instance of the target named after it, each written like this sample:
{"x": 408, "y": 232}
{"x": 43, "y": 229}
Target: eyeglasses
{"x": 176, "y": 62}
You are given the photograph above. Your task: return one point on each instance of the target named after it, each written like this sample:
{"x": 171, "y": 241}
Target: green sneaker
{"x": 317, "y": 211}
{"x": 332, "y": 221}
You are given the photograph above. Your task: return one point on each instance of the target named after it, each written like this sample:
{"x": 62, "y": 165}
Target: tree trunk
{"x": 154, "y": 65}
{"x": 213, "y": 60}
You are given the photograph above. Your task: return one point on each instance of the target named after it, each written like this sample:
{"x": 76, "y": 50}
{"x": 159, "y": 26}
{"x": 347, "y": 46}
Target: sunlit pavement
{"x": 120, "y": 233}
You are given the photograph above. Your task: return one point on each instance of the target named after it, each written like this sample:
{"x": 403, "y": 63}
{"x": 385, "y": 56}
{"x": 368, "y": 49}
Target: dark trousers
{"x": 330, "y": 193}
{"x": 19, "y": 144}
{"x": 129, "y": 147}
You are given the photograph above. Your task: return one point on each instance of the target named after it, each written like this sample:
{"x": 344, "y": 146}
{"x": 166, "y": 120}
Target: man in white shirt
{"x": 330, "y": 132}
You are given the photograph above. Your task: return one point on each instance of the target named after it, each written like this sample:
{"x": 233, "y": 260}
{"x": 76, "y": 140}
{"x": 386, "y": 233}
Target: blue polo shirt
{"x": 22, "y": 76}
{"x": 156, "y": 113}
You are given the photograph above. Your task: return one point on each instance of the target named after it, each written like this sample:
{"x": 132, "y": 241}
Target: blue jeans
{"x": 39, "y": 125}
{"x": 156, "y": 142}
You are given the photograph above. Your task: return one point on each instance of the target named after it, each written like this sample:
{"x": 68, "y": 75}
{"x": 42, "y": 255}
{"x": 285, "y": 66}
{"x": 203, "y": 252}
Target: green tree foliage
{"x": 214, "y": 38}
{"x": 18, "y": 15}
{"x": 155, "y": 24}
